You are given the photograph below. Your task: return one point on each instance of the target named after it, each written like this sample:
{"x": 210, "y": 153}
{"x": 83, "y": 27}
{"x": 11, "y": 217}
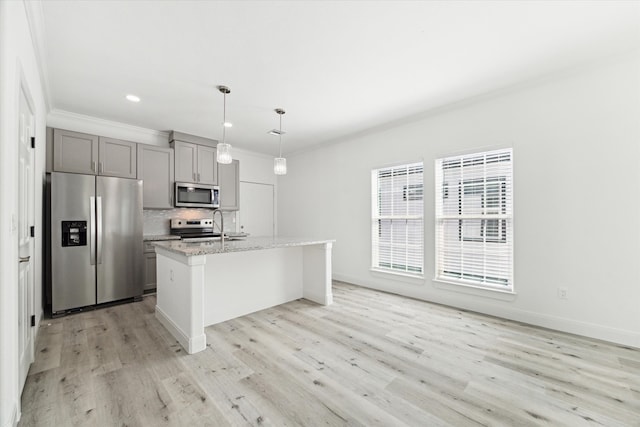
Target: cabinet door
{"x": 207, "y": 165}
{"x": 155, "y": 168}
{"x": 186, "y": 156}
{"x": 149, "y": 271}
{"x": 229, "y": 182}
{"x": 75, "y": 152}
{"x": 117, "y": 158}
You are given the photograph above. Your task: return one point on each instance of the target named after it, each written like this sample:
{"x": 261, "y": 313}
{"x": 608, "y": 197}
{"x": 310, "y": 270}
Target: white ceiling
{"x": 337, "y": 67}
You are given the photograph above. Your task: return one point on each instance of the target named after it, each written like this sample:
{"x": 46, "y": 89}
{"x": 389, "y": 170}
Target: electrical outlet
{"x": 562, "y": 292}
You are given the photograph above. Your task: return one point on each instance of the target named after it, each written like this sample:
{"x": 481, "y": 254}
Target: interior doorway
{"x": 257, "y": 209}
{"x": 26, "y": 220}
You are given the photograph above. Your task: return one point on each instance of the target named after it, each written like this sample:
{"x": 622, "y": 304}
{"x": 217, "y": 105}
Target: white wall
{"x": 576, "y": 145}
{"x": 17, "y": 60}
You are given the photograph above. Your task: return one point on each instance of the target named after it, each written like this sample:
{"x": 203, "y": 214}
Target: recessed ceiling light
{"x": 227, "y": 124}
{"x": 133, "y": 98}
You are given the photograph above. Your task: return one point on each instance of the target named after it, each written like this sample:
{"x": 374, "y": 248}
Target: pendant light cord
{"x": 224, "y": 116}
{"x": 280, "y": 135}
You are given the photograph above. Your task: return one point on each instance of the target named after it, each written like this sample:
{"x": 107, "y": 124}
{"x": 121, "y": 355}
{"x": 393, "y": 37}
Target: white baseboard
{"x": 319, "y": 298}
{"x": 191, "y": 345}
{"x": 562, "y": 324}
{"x": 15, "y": 417}
{"x": 577, "y": 327}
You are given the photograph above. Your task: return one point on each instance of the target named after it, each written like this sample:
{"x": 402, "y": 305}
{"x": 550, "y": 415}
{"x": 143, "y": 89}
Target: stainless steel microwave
{"x": 190, "y": 195}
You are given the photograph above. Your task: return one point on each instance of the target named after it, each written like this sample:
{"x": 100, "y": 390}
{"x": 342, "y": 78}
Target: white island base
{"x": 200, "y": 284}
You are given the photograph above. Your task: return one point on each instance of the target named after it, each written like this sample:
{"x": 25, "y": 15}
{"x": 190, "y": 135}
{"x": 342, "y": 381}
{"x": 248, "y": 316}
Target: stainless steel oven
{"x": 190, "y": 195}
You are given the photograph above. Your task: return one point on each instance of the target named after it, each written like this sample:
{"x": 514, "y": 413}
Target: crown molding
{"x": 35, "y": 18}
{"x": 82, "y": 123}
{"x": 68, "y": 120}
{"x": 551, "y": 76}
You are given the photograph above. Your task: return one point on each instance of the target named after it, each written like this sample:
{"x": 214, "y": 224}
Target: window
{"x": 474, "y": 220}
{"x": 397, "y": 227}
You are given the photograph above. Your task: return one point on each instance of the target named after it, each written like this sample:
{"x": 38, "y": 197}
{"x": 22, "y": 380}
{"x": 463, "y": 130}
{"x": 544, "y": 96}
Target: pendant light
{"x": 224, "y": 149}
{"x": 280, "y": 163}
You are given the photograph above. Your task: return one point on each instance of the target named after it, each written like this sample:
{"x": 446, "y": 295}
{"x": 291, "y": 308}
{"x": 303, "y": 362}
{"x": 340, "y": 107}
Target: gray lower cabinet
{"x": 229, "y": 182}
{"x": 155, "y": 168}
{"x": 195, "y": 163}
{"x": 78, "y": 152}
{"x": 149, "y": 267}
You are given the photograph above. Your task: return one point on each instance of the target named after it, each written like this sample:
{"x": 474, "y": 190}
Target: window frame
{"x": 408, "y": 192}
{"x": 501, "y": 215}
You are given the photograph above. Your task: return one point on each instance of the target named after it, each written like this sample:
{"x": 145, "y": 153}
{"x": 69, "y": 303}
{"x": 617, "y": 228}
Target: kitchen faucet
{"x": 221, "y": 226}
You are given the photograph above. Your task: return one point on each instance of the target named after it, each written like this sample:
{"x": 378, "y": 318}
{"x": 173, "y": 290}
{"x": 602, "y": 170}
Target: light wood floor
{"x": 369, "y": 359}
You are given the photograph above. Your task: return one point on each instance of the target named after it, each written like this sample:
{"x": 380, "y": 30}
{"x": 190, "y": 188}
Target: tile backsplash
{"x": 156, "y": 221}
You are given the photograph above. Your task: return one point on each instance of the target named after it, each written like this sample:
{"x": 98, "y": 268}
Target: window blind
{"x": 397, "y": 226}
{"x": 474, "y": 219}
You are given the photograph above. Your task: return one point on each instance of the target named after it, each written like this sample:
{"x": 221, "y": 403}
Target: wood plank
{"x": 371, "y": 358}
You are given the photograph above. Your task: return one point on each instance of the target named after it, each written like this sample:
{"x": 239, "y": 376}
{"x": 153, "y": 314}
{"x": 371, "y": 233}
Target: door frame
{"x": 23, "y": 88}
{"x": 273, "y": 201}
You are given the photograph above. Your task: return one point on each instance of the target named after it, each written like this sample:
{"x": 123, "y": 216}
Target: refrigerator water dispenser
{"x": 74, "y": 233}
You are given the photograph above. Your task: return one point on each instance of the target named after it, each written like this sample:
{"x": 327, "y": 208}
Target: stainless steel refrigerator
{"x": 96, "y": 240}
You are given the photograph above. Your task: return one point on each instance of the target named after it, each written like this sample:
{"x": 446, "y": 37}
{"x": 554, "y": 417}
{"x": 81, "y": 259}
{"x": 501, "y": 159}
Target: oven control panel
{"x": 191, "y": 223}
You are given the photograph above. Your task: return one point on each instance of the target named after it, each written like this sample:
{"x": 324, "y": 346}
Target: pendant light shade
{"x": 223, "y": 148}
{"x": 224, "y": 153}
{"x": 280, "y": 163}
{"x": 280, "y": 166}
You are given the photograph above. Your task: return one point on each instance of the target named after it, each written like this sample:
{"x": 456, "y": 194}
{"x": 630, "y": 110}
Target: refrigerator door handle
{"x": 99, "y": 229}
{"x": 92, "y": 230}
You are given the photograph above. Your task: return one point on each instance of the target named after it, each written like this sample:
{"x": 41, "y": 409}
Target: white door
{"x": 25, "y": 248}
{"x": 256, "y": 209}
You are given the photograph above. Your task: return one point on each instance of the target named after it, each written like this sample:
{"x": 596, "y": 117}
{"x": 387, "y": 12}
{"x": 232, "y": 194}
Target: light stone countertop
{"x": 159, "y": 237}
{"x": 248, "y": 244}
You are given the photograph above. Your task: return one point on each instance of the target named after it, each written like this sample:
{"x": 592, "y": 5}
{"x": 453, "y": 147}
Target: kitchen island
{"x": 204, "y": 283}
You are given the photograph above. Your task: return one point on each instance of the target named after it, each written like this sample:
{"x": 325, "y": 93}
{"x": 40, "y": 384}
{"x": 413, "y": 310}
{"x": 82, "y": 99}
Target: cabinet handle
{"x": 93, "y": 167}
{"x": 101, "y": 167}
{"x": 198, "y": 176}
{"x": 194, "y": 177}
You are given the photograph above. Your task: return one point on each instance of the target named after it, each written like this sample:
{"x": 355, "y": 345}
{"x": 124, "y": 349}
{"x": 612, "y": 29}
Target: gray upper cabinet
{"x": 207, "y": 165}
{"x": 229, "y": 182}
{"x": 155, "y": 168}
{"x": 195, "y": 163}
{"x": 186, "y": 161}
{"x": 117, "y": 158}
{"x": 75, "y": 152}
